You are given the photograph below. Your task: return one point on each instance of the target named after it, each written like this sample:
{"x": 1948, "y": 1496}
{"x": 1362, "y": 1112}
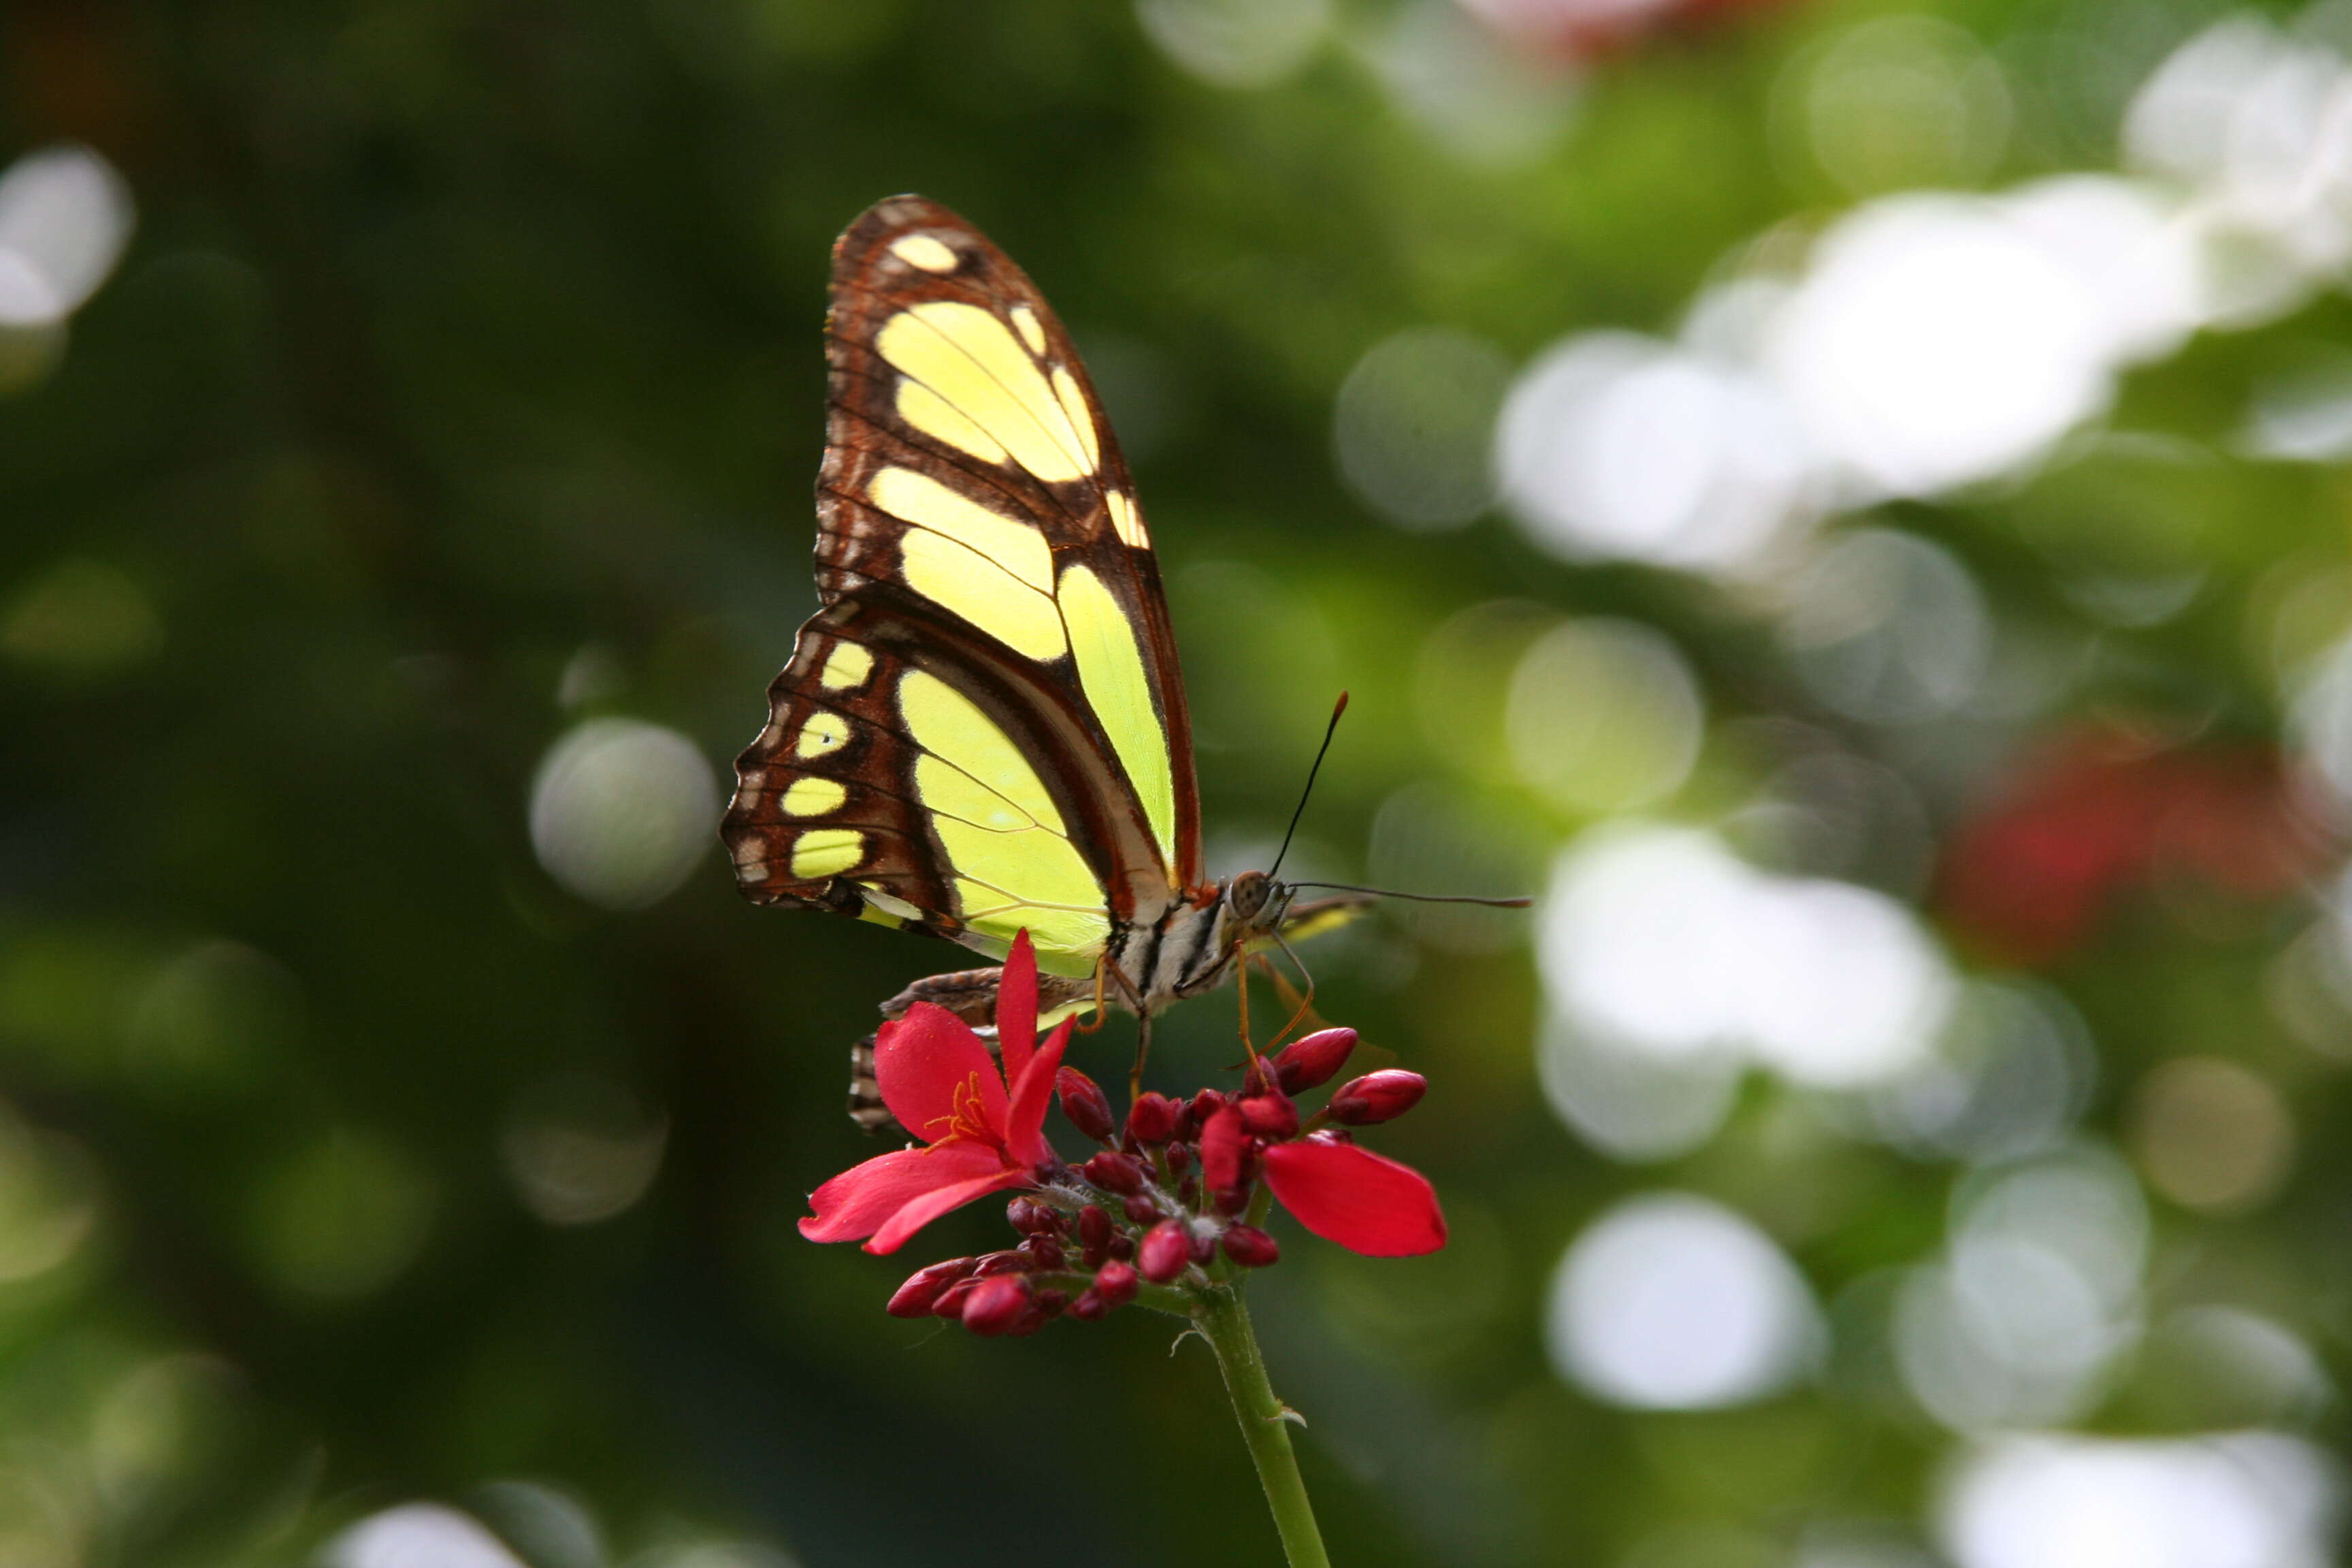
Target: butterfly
{"x": 983, "y": 729}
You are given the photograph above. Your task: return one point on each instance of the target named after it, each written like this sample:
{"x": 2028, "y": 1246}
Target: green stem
{"x": 1224, "y": 1320}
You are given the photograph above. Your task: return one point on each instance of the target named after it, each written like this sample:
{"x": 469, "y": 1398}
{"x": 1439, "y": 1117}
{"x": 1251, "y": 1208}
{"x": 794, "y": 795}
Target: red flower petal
{"x": 915, "y": 1216}
{"x": 1017, "y": 1005}
{"x": 1365, "y": 1201}
{"x": 1223, "y": 1140}
{"x": 862, "y": 1199}
{"x": 1024, "y": 1122}
{"x": 924, "y": 1060}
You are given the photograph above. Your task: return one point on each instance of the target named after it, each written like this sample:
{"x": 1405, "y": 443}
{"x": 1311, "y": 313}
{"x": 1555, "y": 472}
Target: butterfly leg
{"x": 1306, "y": 1006}
{"x": 1142, "y": 1051}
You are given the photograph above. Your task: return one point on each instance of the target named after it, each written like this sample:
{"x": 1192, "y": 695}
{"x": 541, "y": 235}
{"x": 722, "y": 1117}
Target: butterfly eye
{"x": 1246, "y": 895}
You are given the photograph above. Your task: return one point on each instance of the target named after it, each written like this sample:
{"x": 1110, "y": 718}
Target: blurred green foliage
{"x": 463, "y": 381}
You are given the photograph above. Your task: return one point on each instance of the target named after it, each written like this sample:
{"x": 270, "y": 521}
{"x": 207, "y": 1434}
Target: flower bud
{"x": 1166, "y": 1250}
{"x": 951, "y": 1305}
{"x": 997, "y": 1263}
{"x": 1143, "y": 1211}
{"x": 1094, "y": 1233}
{"x": 923, "y": 1288}
{"x": 1153, "y": 1119}
{"x": 1114, "y": 1173}
{"x": 1204, "y": 1246}
{"x": 1381, "y": 1096}
{"x": 1270, "y": 1115}
{"x": 1179, "y": 1157}
{"x": 1083, "y": 1103}
{"x": 1313, "y": 1061}
{"x": 1090, "y": 1308}
{"x": 1225, "y": 1151}
{"x": 1250, "y": 1246}
{"x": 1223, "y": 1140}
{"x": 996, "y": 1304}
{"x": 1042, "y": 1310}
{"x": 1122, "y": 1248}
{"x": 1031, "y": 1217}
{"x": 1045, "y": 1252}
{"x": 1115, "y": 1283}
{"x": 1197, "y": 1111}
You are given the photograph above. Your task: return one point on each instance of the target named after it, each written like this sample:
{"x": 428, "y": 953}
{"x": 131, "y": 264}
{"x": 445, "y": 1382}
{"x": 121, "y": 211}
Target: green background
{"x": 462, "y": 382}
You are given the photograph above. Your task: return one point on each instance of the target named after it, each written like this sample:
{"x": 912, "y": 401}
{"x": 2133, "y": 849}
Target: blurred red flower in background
{"x": 2033, "y": 871}
{"x": 1591, "y": 29}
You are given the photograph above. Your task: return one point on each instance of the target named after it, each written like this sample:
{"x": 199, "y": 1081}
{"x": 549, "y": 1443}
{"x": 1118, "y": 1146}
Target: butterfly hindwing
{"x": 983, "y": 727}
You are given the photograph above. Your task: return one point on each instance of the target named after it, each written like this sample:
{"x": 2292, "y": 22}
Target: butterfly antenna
{"x": 1328, "y": 730}
{"x": 1518, "y": 904}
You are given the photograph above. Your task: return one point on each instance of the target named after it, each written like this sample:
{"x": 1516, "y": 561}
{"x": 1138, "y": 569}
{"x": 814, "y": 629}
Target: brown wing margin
{"x": 873, "y": 281}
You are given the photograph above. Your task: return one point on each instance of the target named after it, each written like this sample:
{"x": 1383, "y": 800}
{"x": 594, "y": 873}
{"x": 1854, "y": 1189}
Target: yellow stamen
{"x": 967, "y": 1118}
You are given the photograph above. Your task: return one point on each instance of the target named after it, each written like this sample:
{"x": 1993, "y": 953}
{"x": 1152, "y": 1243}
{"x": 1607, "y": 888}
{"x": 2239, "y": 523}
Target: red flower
{"x": 2032, "y": 873}
{"x": 1365, "y": 1201}
{"x": 980, "y": 1136}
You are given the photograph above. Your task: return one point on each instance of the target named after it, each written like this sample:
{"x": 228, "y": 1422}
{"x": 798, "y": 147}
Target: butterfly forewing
{"x": 983, "y": 729}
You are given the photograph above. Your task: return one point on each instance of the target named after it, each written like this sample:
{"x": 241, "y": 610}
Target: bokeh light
{"x": 1236, "y": 43}
{"x": 48, "y": 1199}
{"x": 65, "y": 217}
{"x": 1662, "y": 940}
{"x": 621, "y": 812}
{"x": 2036, "y": 1299}
{"x": 2235, "y": 1500}
{"x": 1618, "y": 447}
{"x": 1673, "y": 1302}
{"x": 2249, "y": 120}
{"x": 79, "y": 618}
{"x": 2012, "y": 1071}
{"x": 1488, "y": 105}
{"x": 1899, "y": 102}
{"x": 580, "y": 1148}
{"x": 2210, "y": 1367}
{"x": 340, "y": 1216}
{"x": 1410, "y": 427}
{"x": 1933, "y": 343}
{"x": 1604, "y": 715}
{"x": 1631, "y": 1103}
{"x": 419, "y": 1535}
{"x": 2211, "y": 1134}
{"x": 1887, "y": 628}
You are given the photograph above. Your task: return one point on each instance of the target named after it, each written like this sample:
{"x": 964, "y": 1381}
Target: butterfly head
{"x": 1255, "y": 904}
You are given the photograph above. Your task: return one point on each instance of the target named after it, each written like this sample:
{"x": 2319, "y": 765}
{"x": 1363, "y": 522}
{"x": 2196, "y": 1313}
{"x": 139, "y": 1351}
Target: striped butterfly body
{"x": 982, "y": 727}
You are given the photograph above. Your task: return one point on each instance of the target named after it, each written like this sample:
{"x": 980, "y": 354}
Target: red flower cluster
{"x": 1169, "y": 1190}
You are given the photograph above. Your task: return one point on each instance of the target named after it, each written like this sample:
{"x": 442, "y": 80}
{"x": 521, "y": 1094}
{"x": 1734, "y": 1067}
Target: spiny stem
{"x": 1224, "y": 1320}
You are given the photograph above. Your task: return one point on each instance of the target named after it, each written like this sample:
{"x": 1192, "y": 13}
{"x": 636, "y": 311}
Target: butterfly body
{"x": 983, "y": 729}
